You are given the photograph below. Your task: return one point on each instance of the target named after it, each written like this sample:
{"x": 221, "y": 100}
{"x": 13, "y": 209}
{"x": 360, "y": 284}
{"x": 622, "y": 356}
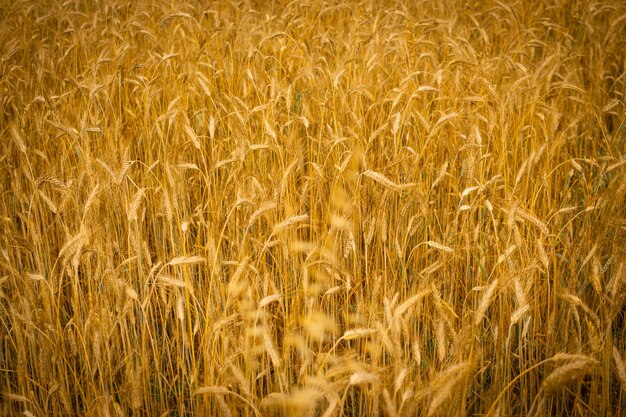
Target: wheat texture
{"x": 312, "y": 208}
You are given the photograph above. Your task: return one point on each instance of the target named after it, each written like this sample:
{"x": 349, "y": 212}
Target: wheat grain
{"x": 215, "y": 390}
{"x": 269, "y": 299}
{"x": 567, "y": 373}
{"x": 241, "y": 380}
{"x": 134, "y": 206}
{"x": 595, "y": 277}
{"x": 169, "y": 280}
{"x": 390, "y": 406}
{"x": 53, "y": 208}
{"x": 267, "y": 206}
{"x": 396, "y": 122}
{"x": 402, "y": 308}
{"x": 525, "y": 215}
{"x": 442, "y": 173}
{"x": 362, "y": 377}
{"x": 445, "y": 383}
{"x": 397, "y": 383}
{"x": 271, "y": 349}
{"x": 358, "y": 333}
{"x": 187, "y": 260}
{"x": 288, "y": 222}
{"x": 485, "y": 302}
{"x": 380, "y": 178}
{"x": 440, "y": 247}
{"x": 619, "y": 367}
{"x": 18, "y": 139}
{"x": 442, "y": 344}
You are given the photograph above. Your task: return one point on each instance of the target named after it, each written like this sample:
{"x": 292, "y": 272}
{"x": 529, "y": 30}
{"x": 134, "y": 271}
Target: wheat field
{"x": 312, "y": 208}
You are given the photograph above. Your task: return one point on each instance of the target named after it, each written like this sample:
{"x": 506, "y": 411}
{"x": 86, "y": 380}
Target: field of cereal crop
{"x": 312, "y": 208}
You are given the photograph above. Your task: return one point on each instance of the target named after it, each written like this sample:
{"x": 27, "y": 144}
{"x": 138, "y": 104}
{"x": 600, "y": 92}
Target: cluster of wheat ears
{"x": 312, "y": 208}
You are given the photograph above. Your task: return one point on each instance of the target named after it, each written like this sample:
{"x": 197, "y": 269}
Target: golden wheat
{"x": 312, "y": 208}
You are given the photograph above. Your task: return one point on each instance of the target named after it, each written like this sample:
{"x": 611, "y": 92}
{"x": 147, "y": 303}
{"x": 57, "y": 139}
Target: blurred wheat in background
{"x": 312, "y": 208}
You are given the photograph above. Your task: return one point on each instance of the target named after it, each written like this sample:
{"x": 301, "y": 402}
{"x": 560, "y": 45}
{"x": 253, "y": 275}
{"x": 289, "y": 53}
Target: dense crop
{"x": 313, "y": 208}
